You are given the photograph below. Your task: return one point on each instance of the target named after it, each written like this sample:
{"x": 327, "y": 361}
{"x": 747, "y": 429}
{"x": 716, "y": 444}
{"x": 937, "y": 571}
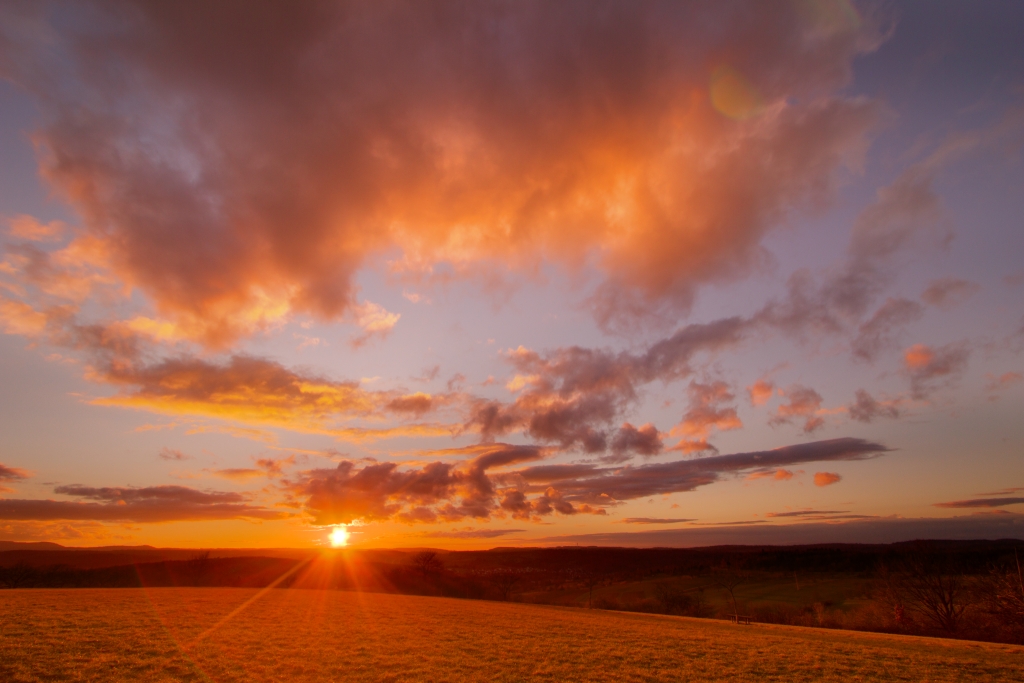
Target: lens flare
{"x": 339, "y": 537}
{"x": 733, "y": 95}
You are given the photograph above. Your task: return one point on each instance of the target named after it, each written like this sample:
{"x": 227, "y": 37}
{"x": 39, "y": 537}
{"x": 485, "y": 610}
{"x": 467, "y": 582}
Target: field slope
{"x": 224, "y": 634}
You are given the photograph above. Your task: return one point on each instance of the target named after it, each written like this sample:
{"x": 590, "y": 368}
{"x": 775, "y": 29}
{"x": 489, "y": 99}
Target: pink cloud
{"x": 826, "y": 478}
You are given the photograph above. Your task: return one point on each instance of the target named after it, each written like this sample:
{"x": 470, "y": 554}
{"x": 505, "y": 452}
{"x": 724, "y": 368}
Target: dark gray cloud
{"x": 472, "y": 533}
{"x": 12, "y": 473}
{"x": 449, "y": 492}
{"x": 607, "y": 485}
{"x": 931, "y": 369}
{"x": 880, "y": 332}
{"x": 949, "y": 292}
{"x": 879, "y": 530}
{"x": 982, "y": 502}
{"x": 865, "y": 408}
{"x": 172, "y": 454}
{"x": 142, "y": 505}
{"x": 655, "y": 520}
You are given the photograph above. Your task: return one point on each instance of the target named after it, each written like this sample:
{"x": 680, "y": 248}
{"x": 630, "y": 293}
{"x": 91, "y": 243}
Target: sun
{"x": 339, "y": 536}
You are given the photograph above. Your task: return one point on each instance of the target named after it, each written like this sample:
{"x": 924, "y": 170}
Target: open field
{"x": 189, "y": 634}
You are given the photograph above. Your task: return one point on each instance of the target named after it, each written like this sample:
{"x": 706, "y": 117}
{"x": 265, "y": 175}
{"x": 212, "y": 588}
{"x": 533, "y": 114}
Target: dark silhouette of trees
{"x": 1001, "y": 594}
{"x": 18, "y": 575}
{"x": 505, "y": 580}
{"x": 936, "y": 590}
{"x": 427, "y": 563}
{"x": 197, "y": 568}
{"x": 672, "y": 600}
{"x": 729, "y": 582}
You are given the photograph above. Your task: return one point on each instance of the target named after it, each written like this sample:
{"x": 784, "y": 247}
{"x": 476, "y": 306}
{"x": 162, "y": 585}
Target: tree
{"x": 197, "y": 567}
{"x": 673, "y": 601}
{"x": 1002, "y": 594}
{"x": 427, "y": 563}
{"x": 935, "y": 590}
{"x": 729, "y": 582}
{"x": 18, "y": 575}
{"x": 505, "y": 580}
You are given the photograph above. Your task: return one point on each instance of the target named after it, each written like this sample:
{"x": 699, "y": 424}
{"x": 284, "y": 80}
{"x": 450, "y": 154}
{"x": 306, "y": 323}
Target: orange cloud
{"x": 584, "y": 150}
{"x": 826, "y": 478}
{"x": 931, "y": 368}
{"x": 29, "y": 228}
{"x": 706, "y": 413}
{"x": 760, "y": 392}
{"x": 804, "y": 402}
{"x": 777, "y": 475}
{"x": 1003, "y": 381}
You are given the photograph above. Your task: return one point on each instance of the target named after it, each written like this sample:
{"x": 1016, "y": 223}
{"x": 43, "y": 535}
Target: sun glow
{"x": 339, "y": 537}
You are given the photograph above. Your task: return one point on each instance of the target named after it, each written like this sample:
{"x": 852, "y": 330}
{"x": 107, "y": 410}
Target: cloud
{"x": 804, "y": 402}
{"x": 143, "y": 505}
{"x": 375, "y": 320}
{"x": 982, "y": 503}
{"x": 12, "y": 473}
{"x": 807, "y": 513}
{"x": 472, "y": 533}
{"x": 826, "y": 478}
{"x": 603, "y": 486}
{"x": 270, "y": 468}
{"x": 1003, "y": 492}
{"x": 644, "y": 441}
{"x": 949, "y": 292}
{"x": 760, "y": 392}
{"x": 572, "y": 395}
{"x": 655, "y": 520}
{"x": 625, "y": 128}
{"x": 483, "y": 487}
{"x": 706, "y": 411}
{"x": 29, "y": 228}
{"x": 930, "y": 368}
{"x": 172, "y": 454}
{"x": 879, "y": 332}
{"x": 379, "y": 491}
{"x": 1003, "y": 381}
{"x": 238, "y": 473}
{"x": 872, "y": 530}
{"x": 777, "y": 475}
{"x": 865, "y": 408}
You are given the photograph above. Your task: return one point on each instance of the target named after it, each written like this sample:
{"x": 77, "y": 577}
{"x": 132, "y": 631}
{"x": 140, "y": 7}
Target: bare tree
{"x": 18, "y": 575}
{"x": 891, "y": 594}
{"x": 1002, "y": 594}
{"x": 935, "y": 590}
{"x": 673, "y": 601}
{"x": 427, "y": 563}
{"x": 591, "y": 580}
{"x": 729, "y": 582}
{"x": 505, "y": 580}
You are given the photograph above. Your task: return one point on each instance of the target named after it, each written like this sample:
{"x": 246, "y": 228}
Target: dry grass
{"x": 305, "y": 635}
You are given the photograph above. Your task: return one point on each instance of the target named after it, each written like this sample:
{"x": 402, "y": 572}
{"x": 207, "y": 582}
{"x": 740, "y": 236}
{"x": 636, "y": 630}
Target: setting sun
{"x": 339, "y": 537}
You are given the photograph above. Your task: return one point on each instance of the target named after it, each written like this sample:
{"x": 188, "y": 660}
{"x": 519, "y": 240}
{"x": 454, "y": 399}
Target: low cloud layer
{"x": 483, "y": 487}
{"x": 141, "y": 505}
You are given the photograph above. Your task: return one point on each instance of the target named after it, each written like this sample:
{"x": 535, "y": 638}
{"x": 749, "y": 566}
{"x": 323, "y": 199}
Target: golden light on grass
{"x": 339, "y": 536}
{"x": 164, "y": 634}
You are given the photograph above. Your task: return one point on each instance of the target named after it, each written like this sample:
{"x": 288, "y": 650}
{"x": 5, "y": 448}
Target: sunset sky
{"x": 470, "y": 274}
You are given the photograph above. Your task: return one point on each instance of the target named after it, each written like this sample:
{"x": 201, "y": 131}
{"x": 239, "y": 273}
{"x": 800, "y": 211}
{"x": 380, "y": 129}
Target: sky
{"x": 479, "y": 274}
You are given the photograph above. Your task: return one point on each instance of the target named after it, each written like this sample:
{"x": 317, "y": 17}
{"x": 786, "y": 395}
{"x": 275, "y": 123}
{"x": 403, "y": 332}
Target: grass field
{"x": 201, "y": 634}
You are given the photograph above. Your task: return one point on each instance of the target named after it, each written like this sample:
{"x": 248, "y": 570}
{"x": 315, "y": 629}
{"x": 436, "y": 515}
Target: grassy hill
{"x": 229, "y": 634}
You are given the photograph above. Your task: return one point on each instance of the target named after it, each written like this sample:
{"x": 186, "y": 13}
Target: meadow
{"x": 237, "y": 634}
